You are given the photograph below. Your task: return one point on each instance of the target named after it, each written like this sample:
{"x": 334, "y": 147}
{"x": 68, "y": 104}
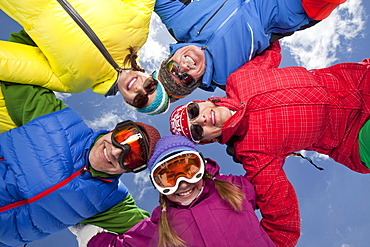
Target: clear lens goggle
{"x": 183, "y": 166}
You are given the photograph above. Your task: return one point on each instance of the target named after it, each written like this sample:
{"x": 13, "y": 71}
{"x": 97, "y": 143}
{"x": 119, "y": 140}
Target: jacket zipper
{"x": 201, "y": 29}
{"x": 44, "y": 193}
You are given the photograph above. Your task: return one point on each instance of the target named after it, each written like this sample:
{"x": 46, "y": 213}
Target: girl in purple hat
{"x": 198, "y": 205}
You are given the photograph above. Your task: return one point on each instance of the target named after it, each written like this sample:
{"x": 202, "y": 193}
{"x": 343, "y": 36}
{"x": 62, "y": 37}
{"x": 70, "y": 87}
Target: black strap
{"x": 89, "y": 32}
{"x": 308, "y": 159}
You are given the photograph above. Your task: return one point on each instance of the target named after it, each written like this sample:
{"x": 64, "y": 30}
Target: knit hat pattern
{"x": 167, "y": 145}
{"x": 152, "y": 134}
{"x": 179, "y": 124}
{"x": 161, "y": 103}
{"x": 175, "y": 91}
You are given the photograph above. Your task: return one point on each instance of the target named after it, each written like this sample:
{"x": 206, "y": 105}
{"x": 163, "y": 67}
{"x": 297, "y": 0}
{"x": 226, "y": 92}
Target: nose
{"x": 139, "y": 88}
{"x": 183, "y": 185}
{"x": 201, "y": 120}
{"x": 116, "y": 152}
{"x": 184, "y": 66}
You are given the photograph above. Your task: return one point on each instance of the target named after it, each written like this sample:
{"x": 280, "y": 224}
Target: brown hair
{"x": 228, "y": 192}
{"x": 131, "y": 59}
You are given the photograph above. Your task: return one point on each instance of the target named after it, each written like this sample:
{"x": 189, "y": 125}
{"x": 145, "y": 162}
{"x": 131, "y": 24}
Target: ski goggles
{"x": 130, "y": 138}
{"x": 185, "y": 166}
{"x": 185, "y": 79}
{"x": 141, "y": 99}
{"x": 196, "y": 130}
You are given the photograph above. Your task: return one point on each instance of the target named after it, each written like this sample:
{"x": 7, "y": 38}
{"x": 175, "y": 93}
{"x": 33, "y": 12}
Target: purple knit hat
{"x": 170, "y": 144}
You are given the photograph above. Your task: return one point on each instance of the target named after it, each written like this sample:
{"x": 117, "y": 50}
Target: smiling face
{"x": 103, "y": 156}
{"x": 186, "y": 192}
{"x": 212, "y": 118}
{"x": 192, "y": 60}
{"x": 130, "y": 83}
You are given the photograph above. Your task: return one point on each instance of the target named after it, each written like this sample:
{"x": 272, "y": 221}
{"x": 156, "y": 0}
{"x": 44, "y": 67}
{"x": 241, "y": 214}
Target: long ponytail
{"x": 167, "y": 236}
{"x": 228, "y": 192}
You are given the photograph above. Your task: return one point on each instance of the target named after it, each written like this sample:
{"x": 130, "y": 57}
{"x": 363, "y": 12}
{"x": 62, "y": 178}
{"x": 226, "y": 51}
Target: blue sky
{"x": 334, "y": 203}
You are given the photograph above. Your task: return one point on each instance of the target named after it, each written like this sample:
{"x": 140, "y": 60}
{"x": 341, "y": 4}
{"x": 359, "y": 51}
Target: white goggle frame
{"x": 170, "y": 190}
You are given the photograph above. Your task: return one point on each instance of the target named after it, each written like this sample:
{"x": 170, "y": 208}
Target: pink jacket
{"x": 283, "y": 110}
{"x": 207, "y": 221}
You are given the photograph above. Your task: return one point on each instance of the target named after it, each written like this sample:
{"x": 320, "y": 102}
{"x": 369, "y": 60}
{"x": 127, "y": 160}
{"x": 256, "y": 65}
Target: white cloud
{"x": 314, "y": 155}
{"x": 317, "y": 47}
{"x": 142, "y": 182}
{"x": 108, "y": 120}
{"x": 319, "y": 157}
{"x": 141, "y": 178}
{"x": 157, "y": 46}
{"x": 62, "y": 96}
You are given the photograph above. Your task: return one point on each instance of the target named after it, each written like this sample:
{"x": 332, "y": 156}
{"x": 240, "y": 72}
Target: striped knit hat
{"x": 161, "y": 102}
{"x": 174, "y": 90}
{"x": 170, "y": 144}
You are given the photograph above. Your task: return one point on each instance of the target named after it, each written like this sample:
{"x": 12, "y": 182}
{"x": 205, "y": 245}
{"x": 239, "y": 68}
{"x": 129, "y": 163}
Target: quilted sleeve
{"x": 26, "y": 64}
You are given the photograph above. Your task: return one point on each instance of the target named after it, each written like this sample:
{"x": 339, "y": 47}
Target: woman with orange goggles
{"x": 198, "y": 205}
{"x": 185, "y": 166}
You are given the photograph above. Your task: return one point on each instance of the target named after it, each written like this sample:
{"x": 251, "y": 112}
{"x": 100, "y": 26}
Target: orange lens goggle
{"x": 129, "y": 137}
{"x": 184, "y": 166}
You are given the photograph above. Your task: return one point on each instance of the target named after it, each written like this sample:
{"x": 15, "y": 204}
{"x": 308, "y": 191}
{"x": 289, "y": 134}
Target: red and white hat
{"x": 179, "y": 121}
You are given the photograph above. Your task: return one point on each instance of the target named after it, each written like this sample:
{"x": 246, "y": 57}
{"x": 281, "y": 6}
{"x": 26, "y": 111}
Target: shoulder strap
{"x": 89, "y": 32}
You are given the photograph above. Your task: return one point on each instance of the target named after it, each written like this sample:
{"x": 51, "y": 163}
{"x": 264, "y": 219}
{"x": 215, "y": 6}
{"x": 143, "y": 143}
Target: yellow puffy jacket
{"x": 66, "y": 60}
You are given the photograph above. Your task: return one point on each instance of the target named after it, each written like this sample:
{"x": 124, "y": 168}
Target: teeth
{"x": 185, "y": 193}
{"x": 189, "y": 61}
{"x": 213, "y": 118}
{"x": 131, "y": 83}
{"x": 106, "y": 156}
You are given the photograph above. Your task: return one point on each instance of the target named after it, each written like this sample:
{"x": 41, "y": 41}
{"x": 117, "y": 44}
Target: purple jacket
{"x": 207, "y": 221}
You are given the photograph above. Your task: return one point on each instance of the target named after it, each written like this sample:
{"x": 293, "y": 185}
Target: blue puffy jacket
{"x": 233, "y": 31}
{"x": 44, "y": 186}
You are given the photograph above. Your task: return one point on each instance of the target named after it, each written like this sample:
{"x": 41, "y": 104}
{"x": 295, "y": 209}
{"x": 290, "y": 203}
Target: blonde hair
{"x": 228, "y": 192}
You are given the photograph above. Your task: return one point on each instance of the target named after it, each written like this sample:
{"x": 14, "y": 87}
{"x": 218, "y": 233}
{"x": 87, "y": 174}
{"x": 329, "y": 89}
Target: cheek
{"x": 129, "y": 97}
{"x": 93, "y": 155}
{"x": 171, "y": 198}
{"x": 212, "y": 132}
